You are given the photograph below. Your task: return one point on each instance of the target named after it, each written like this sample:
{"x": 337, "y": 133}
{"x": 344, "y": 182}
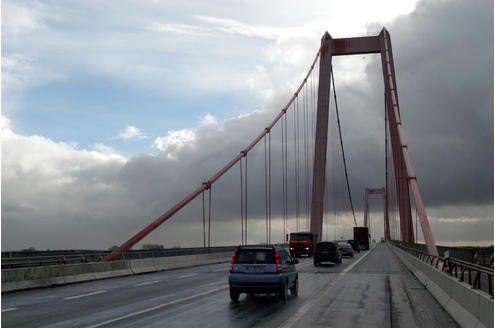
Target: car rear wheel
{"x": 294, "y": 289}
{"x": 234, "y": 294}
{"x": 283, "y": 294}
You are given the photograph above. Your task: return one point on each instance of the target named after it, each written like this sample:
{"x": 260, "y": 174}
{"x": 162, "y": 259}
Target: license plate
{"x": 254, "y": 268}
{"x": 325, "y": 252}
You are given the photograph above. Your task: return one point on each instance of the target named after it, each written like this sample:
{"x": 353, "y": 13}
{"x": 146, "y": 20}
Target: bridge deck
{"x": 379, "y": 291}
{"x": 372, "y": 290}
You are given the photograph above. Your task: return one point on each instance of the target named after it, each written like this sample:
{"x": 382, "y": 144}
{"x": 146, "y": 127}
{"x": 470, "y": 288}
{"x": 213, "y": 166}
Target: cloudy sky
{"x": 114, "y": 111}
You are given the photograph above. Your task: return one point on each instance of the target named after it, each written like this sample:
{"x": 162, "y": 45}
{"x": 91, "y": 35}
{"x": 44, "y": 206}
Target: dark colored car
{"x": 346, "y": 249}
{"x": 355, "y": 245}
{"x": 262, "y": 270}
{"x": 327, "y": 251}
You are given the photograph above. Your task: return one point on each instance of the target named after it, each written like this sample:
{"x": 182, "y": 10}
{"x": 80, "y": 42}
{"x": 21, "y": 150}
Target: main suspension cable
{"x": 342, "y": 146}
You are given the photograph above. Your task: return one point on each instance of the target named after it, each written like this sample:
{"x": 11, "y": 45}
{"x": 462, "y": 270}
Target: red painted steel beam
{"x": 355, "y": 46}
{"x": 405, "y": 161}
{"x": 321, "y": 137}
{"x": 366, "y": 204}
{"x": 401, "y": 174}
{"x": 385, "y": 217}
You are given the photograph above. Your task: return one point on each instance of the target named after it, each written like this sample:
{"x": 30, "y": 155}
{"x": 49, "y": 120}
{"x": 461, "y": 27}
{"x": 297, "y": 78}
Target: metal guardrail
{"x": 97, "y": 256}
{"x": 477, "y": 276}
{"x": 473, "y": 254}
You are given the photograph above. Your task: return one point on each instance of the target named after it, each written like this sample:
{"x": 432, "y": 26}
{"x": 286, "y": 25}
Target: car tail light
{"x": 278, "y": 262}
{"x": 232, "y": 261}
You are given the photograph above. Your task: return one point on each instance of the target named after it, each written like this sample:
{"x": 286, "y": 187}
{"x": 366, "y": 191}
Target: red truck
{"x": 302, "y": 243}
{"x": 361, "y": 234}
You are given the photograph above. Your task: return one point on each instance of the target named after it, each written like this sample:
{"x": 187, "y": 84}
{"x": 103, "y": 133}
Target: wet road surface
{"x": 373, "y": 289}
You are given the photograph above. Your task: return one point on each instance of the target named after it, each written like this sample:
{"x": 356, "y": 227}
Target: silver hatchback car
{"x": 262, "y": 270}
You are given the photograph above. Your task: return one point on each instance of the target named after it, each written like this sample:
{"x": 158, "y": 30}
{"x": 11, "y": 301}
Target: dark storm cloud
{"x": 443, "y": 54}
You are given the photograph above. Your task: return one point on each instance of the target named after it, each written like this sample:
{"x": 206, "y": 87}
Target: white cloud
{"x": 129, "y": 50}
{"x": 5, "y": 124}
{"x": 177, "y": 139}
{"x": 40, "y": 155}
{"x": 232, "y": 26}
{"x": 18, "y": 19}
{"x": 21, "y": 71}
{"x": 105, "y": 150}
{"x": 131, "y": 133}
{"x": 174, "y": 138}
{"x": 209, "y": 119}
{"x": 182, "y": 29}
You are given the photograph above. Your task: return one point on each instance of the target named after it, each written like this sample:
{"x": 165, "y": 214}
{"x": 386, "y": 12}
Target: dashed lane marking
{"x": 180, "y": 300}
{"x": 84, "y": 295}
{"x": 188, "y": 275}
{"x": 147, "y": 283}
{"x": 220, "y": 270}
{"x": 9, "y": 309}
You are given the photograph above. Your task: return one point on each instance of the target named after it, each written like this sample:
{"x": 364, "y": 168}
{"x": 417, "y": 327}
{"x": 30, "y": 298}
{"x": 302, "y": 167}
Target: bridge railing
{"x": 477, "y": 276}
{"x": 97, "y": 256}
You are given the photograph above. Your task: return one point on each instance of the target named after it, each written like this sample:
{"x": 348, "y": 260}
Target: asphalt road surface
{"x": 373, "y": 289}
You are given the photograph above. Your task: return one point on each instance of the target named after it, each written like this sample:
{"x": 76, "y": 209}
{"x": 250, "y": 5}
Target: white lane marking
{"x": 9, "y": 309}
{"x": 222, "y": 269}
{"x": 310, "y": 304}
{"x": 156, "y": 307}
{"x": 188, "y": 275}
{"x": 84, "y": 295}
{"x": 147, "y": 283}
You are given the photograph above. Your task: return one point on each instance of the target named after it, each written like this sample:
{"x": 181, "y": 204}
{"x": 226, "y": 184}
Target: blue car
{"x": 262, "y": 270}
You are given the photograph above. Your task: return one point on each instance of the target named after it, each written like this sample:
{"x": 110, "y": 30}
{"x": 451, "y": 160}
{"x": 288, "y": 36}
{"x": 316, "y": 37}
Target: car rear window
{"x": 255, "y": 256}
{"x": 300, "y": 236}
{"x": 326, "y": 245}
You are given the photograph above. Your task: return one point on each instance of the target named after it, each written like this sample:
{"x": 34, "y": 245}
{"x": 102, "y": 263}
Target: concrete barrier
{"x": 175, "y": 262}
{"x": 143, "y": 265}
{"x": 27, "y": 278}
{"x": 469, "y": 307}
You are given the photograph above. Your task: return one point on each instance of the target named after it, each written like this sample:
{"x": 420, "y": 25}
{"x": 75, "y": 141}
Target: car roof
{"x": 257, "y": 247}
{"x": 326, "y": 242}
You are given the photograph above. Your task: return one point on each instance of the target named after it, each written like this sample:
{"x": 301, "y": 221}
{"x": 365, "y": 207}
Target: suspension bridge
{"x": 297, "y": 168}
{"x": 307, "y": 116}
